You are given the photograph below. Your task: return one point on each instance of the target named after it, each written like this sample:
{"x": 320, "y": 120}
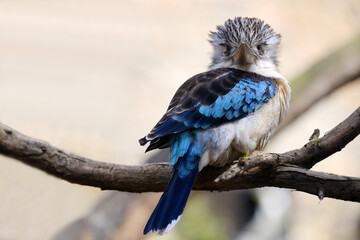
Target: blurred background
{"x": 93, "y": 77}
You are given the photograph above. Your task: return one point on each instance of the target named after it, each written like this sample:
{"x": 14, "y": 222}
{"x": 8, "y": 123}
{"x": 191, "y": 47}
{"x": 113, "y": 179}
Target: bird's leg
{"x": 240, "y": 150}
{"x": 247, "y": 154}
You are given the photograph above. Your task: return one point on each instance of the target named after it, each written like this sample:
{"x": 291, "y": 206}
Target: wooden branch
{"x": 255, "y": 171}
{"x": 320, "y": 184}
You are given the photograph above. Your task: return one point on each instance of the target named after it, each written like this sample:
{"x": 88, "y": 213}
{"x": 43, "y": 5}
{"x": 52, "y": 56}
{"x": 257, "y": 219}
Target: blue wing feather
{"x": 212, "y": 98}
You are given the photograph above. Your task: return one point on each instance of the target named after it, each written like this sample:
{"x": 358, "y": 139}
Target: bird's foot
{"x": 247, "y": 154}
{"x": 257, "y": 153}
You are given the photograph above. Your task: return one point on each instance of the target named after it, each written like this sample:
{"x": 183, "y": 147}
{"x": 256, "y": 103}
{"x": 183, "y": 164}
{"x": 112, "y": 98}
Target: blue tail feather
{"x": 172, "y": 203}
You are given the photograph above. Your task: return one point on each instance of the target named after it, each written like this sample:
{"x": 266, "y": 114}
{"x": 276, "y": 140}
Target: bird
{"x": 217, "y": 116}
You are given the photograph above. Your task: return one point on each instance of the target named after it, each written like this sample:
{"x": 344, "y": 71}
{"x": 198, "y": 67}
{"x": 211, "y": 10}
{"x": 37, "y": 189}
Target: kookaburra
{"x": 222, "y": 114}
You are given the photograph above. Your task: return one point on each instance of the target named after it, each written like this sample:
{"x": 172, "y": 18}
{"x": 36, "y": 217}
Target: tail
{"x": 172, "y": 203}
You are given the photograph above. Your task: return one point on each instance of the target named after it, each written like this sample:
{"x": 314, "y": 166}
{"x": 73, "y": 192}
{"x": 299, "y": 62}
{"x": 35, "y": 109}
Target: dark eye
{"x": 260, "y": 48}
{"x": 227, "y": 49}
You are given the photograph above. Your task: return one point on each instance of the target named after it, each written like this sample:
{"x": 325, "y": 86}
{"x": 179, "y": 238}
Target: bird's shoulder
{"x": 205, "y": 88}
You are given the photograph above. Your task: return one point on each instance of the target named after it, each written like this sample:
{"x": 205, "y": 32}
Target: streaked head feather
{"x": 253, "y": 32}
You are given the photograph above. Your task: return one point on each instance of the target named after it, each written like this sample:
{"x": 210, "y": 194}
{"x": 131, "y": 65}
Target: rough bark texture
{"x": 287, "y": 170}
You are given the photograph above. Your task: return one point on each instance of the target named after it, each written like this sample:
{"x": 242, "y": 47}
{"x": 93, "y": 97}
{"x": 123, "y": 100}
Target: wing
{"x": 210, "y": 99}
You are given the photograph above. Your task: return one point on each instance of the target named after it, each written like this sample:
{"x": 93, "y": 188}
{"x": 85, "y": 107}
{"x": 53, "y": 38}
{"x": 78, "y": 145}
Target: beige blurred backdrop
{"x": 92, "y": 77}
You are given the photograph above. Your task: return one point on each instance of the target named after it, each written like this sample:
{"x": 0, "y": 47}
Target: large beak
{"x": 244, "y": 56}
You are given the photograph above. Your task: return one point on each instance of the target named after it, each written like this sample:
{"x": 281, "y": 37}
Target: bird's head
{"x": 245, "y": 43}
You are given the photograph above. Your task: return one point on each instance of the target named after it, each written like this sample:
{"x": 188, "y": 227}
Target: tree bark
{"x": 287, "y": 170}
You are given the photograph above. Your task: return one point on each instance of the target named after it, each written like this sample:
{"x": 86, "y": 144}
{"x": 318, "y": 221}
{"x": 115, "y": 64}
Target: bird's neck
{"x": 264, "y": 68}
